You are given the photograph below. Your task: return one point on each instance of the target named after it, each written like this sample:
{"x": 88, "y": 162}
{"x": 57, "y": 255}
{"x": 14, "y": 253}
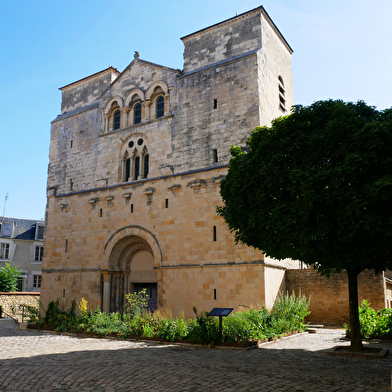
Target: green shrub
{"x": 384, "y": 322}
{"x": 203, "y": 328}
{"x": 289, "y": 313}
{"x": 373, "y": 323}
{"x": 9, "y": 278}
{"x": 250, "y": 325}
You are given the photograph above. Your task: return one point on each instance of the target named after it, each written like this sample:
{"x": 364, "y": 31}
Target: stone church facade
{"x": 136, "y": 158}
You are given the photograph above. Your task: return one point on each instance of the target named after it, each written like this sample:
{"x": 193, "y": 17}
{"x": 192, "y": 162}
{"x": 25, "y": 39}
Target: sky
{"x": 342, "y": 50}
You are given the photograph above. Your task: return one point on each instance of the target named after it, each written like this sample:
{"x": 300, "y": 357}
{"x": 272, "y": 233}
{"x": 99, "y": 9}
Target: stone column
{"x": 167, "y": 104}
{"x": 106, "y": 291}
{"x": 146, "y": 110}
{"x": 107, "y": 117}
{"x": 124, "y": 116}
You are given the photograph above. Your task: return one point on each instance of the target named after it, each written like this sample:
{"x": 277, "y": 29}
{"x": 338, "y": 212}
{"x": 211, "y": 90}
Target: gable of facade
{"x": 135, "y": 163}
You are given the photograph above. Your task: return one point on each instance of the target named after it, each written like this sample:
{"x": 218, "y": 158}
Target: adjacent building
{"x": 21, "y": 245}
{"x": 136, "y": 158}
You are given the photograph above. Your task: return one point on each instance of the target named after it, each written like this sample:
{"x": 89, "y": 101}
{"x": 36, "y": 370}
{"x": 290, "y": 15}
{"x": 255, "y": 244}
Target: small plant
{"x": 137, "y": 303}
{"x": 84, "y": 307}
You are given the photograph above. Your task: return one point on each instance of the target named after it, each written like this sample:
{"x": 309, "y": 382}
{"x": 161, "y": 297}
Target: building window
{"x": 39, "y": 232}
{"x": 6, "y": 229}
{"x": 116, "y": 119}
{"x": 282, "y": 91}
{"x": 136, "y": 160}
{"x": 214, "y": 155}
{"x": 215, "y": 103}
{"x": 137, "y": 113}
{"x": 39, "y": 252}
{"x": 137, "y": 167}
{"x": 146, "y": 165}
{"x": 214, "y": 233}
{"x": 37, "y": 281}
{"x": 4, "y": 251}
{"x": 19, "y": 283}
{"x": 127, "y": 169}
{"x": 160, "y": 107}
{"x": 71, "y": 185}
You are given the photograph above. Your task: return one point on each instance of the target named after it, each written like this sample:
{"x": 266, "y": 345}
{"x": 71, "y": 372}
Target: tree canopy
{"x": 316, "y": 186}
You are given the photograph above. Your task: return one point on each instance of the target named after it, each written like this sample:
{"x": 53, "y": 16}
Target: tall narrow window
{"x": 137, "y": 167}
{"x": 214, "y": 233}
{"x": 71, "y": 185}
{"x": 215, "y": 103}
{"x": 127, "y": 169}
{"x": 39, "y": 252}
{"x": 4, "y": 251}
{"x": 116, "y": 119}
{"x": 146, "y": 165}
{"x": 282, "y": 91}
{"x": 215, "y": 155}
{"x": 137, "y": 114}
{"x": 37, "y": 281}
{"x": 66, "y": 245}
{"x": 160, "y": 107}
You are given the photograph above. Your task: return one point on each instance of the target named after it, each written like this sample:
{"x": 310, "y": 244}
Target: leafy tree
{"x": 9, "y": 278}
{"x": 316, "y": 186}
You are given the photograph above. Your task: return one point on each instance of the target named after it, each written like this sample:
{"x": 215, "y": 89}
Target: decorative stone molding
{"x": 196, "y": 183}
{"x": 109, "y": 198}
{"x": 63, "y": 205}
{"x": 94, "y": 200}
{"x": 127, "y": 195}
{"x": 149, "y": 191}
{"x": 219, "y": 179}
{"x": 175, "y": 187}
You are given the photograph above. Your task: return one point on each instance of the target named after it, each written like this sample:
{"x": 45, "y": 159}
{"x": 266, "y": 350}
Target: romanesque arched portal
{"x": 132, "y": 257}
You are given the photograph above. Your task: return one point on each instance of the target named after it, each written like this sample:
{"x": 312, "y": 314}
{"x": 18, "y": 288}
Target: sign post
{"x": 221, "y": 312}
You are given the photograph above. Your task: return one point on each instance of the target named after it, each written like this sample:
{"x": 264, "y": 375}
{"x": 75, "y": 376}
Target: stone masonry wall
{"x": 11, "y": 302}
{"x": 329, "y": 296}
{"x": 222, "y": 42}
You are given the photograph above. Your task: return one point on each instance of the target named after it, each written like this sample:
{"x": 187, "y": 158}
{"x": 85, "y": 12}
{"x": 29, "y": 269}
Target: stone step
{"x": 7, "y": 323}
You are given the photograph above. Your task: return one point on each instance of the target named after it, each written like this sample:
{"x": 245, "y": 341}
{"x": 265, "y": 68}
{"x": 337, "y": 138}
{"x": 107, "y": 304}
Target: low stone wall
{"x": 11, "y": 302}
{"x": 329, "y": 296}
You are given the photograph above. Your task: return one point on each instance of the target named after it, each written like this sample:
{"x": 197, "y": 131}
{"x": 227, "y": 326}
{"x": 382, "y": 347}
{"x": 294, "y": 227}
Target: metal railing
{"x": 16, "y": 321}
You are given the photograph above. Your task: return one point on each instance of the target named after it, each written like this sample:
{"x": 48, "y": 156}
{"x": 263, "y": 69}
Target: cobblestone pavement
{"x": 41, "y": 361}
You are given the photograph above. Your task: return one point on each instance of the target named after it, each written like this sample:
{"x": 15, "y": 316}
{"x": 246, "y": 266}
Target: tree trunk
{"x": 356, "y": 338}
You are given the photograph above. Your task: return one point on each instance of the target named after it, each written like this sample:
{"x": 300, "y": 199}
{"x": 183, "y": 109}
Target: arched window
{"x": 135, "y": 159}
{"x": 137, "y": 167}
{"x": 137, "y": 113}
{"x": 127, "y": 169}
{"x": 116, "y": 119}
{"x": 146, "y": 167}
{"x": 160, "y": 107}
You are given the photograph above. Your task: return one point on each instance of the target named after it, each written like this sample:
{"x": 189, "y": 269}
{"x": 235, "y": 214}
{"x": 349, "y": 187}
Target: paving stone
{"x": 40, "y": 361}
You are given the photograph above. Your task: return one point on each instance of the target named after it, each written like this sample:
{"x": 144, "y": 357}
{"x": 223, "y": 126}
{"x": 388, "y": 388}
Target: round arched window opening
{"x": 140, "y": 142}
{"x": 131, "y": 144}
